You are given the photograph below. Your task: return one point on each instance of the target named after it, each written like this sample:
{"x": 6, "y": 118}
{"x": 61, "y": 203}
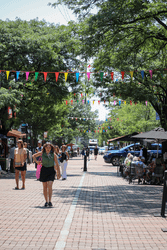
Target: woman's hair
{"x": 46, "y": 144}
{"x": 63, "y": 146}
{"x": 57, "y": 149}
{"x": 21, "y": 142}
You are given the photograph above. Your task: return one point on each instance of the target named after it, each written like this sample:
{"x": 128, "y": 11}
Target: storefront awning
{"x": 15, "y": 133}
{"x": 124, "y": 138}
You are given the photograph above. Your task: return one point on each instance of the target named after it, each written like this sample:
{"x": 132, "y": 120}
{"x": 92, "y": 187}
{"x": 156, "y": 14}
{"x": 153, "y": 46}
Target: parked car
{"x": 102, "y": 150}
{"x": 113, "y": 156}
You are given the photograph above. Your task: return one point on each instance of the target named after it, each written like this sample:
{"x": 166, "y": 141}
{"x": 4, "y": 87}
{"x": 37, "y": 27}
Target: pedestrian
{"x": 141, "y": 151}
{"x": 11, "y": 157}
{"x": 57, "y": 151}
{"x": 38, "y": 149}
{"x": 87, "y": 152}
{"x": 49, "y": 166}
{"x": 145, "y": 154}
{"x": 20, "y": 156}
{"x": 96, "y": 152}
{"x": 64, "y": 157}
{"x": 28, "y": 154}
{"x": 83, "y": 153}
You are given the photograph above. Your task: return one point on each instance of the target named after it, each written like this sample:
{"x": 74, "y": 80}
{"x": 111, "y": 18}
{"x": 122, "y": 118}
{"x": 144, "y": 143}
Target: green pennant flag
{"x": 36, "y": 75}
{"x": 101, "y": 75}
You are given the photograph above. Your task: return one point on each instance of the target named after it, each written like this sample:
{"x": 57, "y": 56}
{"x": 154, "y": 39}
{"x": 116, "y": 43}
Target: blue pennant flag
{"x": 77, "y": 76}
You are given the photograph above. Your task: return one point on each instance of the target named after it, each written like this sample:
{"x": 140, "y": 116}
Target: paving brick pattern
{"x": 97, "y": 211}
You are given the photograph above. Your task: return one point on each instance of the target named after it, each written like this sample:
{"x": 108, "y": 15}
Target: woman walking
{"x": 64, "y": 157}
{"x": 47, "y": 174}
{"x": 20, "y": 156}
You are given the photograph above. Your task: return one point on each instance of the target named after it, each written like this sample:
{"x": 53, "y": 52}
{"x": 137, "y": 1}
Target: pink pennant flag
{"x": 88, "y": 75}
{"x": 83, "y": 101}
{"x": 151, "y": 73}
{"x": 27, "y": 74}
{"x": 146, "y": 103}
{"x": 56, "y": 75}
{"x": 45, "y": 75}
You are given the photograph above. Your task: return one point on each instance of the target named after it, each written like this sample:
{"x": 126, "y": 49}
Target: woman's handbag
{"x": 39, "y": 166}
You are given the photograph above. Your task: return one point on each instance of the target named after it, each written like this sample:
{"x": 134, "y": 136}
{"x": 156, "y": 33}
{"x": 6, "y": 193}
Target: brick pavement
{"x": 93, "y": 210}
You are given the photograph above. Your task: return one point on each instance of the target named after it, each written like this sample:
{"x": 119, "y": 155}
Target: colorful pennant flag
{"x": 45, "y": 75}
{"x": 101, "y": 75}
{"x": 88, "y": 75}
{"x": 36, "y": 75}
{"x": 27, "y": 74}
{"x": 77, "y": 76}
{"x": 56, "y": 75}
{"x": 7, "y": 74}
{"x": 65, "y": 74}
{"x": 112, "y": 75}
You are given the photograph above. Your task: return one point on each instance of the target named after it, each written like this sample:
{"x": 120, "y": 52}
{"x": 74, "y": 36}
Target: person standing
{"x": 28, "y": 156}
{"x": 38, "y": 149}
{"x": 96, "y": 152}
{"x": 47, "y": 175}
{"x": 145, "y": 154}
{"x": 11, "y": 157}
{"x": 20, "y": 156}
{"x": 87, "y": 152}
{"x": 64, "y": 157}
{"x": 141, "y": 151}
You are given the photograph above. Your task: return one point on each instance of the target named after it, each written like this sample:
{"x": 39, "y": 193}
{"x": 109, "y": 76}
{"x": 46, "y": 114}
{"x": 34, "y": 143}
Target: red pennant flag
{"x": 66, "y": 102}
{"x": 71, "y": 102}
{"x": 98, "y": 102}
{"x": 123, "y": 73}
{"x": 130, "y": 102}
{"x": 45, "y": 75}
{"x": 112, "y": 76}
{"x": 117, "y": 119}
{"x": 56, "y": 75}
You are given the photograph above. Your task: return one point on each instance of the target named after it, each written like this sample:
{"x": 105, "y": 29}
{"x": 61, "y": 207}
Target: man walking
{"x": 96, "y": 152}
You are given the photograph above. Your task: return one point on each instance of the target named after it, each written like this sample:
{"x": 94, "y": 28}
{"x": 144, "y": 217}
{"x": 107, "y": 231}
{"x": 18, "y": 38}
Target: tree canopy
{"x": 35, "y": 46}
{"x": 129, "y": 35}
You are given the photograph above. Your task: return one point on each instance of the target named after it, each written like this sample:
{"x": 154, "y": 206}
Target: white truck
{"x": 92, "y": 144}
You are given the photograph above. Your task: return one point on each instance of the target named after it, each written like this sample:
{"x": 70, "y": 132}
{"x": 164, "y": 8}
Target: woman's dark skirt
{"x": 24, "y": 168}
{"x": 47, "y": 174}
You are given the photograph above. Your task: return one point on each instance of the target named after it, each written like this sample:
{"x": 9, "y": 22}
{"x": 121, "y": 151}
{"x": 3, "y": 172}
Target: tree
{"x": 128, "y": 36}
{"x": 78, "y": 122}
{"x": 127, "y": 119}
{"x": 35, "y": 46}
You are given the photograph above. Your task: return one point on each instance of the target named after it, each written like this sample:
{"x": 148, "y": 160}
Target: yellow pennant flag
{"x": 7, "y": 73}
{"x": 125, "y": 102}
{"x": 93, "y": 102}
{"x": 65, "y": 74}
{"x": 131, "y": 73}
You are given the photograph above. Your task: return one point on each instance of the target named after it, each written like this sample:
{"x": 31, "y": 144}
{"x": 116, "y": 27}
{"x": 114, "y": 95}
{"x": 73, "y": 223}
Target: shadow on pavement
{"x": 127, "y": 200}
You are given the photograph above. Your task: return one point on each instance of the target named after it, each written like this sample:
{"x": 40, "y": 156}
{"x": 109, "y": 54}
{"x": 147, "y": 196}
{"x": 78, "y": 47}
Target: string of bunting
{"x": 77, "y": 74}
{"x": 93, "y": 102}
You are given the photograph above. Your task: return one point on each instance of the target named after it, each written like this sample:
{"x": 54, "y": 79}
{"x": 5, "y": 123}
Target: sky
{"x": 31, "y": 9}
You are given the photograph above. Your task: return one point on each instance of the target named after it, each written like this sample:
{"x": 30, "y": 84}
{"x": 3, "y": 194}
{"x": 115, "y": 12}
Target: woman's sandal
{"x": 16, "y": 188}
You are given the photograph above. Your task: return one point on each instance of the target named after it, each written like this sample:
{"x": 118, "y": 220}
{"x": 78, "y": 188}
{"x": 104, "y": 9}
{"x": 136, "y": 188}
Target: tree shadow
{"x": 126, "y": 200}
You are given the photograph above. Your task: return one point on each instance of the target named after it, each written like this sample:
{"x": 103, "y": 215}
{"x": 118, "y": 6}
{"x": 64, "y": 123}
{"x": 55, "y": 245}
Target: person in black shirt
{"x": 96, "y": 152}
{"x": 145, "y": 154}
